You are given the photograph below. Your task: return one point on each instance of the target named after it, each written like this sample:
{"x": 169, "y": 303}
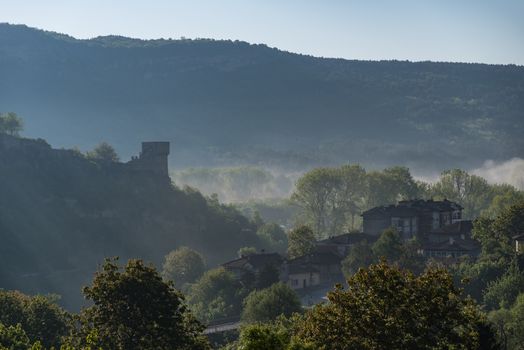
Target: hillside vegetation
{"x": 62, "y": 212}
{"x": 232, "y": 103}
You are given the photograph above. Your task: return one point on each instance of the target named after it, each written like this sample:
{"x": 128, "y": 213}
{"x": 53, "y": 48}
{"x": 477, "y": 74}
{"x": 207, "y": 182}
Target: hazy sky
{"x": 489, "y": 31}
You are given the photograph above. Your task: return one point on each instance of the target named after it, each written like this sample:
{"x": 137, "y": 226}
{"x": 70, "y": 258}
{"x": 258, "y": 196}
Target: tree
{"x": 388, "y": 308}
{"x": 133, "y": 308}
{"x": 273, "y": 237}
{"x": 14, "y": 338}
{"x": 39, "y": 316}
{"x": 389, "y": 245}
{"x": 389, "y": 186}
{"x": 301, "y": 241}
{"x": 312, "y": 193}
{"x": 183, "y": 265}
{"x": 103, "y": 152}
{"x": 470, "y": 191}
{"x": 11, "y": 124}
{"x": 351, "y": 193}
{"x": 510, "y": 324}
{"x": 245, "y": 251}
{"x": 267, "y": 304}
{"x": 217, "y": 294}
{"x": 360, "y": 256}
{"x": 503, "y": 291}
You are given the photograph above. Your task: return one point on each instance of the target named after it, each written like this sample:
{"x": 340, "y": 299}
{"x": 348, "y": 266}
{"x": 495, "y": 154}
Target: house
{"x": 341, "y": 244}
{"x": 302, "y": 276}
{"x": 438, "y": 225}
{"x": 519, "y": 243}
{"x": 411, "y": 217}
{"x": 325, "y": 264}
{"x": 254, "y": 263}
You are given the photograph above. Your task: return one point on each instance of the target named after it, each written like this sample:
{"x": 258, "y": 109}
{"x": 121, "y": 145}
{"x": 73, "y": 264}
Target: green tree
{"x": 245, "y": 251}
{"x": 388, "y": 308}
{"x": 313, "y": 192}
{"x": 183, "y": 265}
{"x": 360, "y": 256}
{"x": 389, "y": 245}
{"x": 503, "y": 292}
{"x": 217, "y": 294}
{"x": 267, "y": 304}
{"x": 103, "y": 152}
{"x": 11, "y": 124}
{"x": 510, "y": 324}
{"x": 273, "y": 237}
{"x": 389, "y": 186}
{"x": 39, "y": 316}
{"x": 301, "y": 241}
{"x": 470, "y": 191}
{"x": 14, "y": 338}
{"x": 133, "y": 308}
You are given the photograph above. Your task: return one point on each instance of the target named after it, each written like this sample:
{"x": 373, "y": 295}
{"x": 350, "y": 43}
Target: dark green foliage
{"x": 216, "y": 295}
{"x": 14, "y": 338}
{"x": 133, "y": 308}
{"x": 360, "y": 256}
{"x": 275, "y": 335}
{"x": 387, "y": 308}
{"x": 301, "y": 241}
{"x": 503, "y": 291}
{"x": 183, "y": 265}
{"x": 389, "y": 245}
{"x": 61, "y": 214}
{"x": 510, "y": 324}
{"x": 39, "y": 316}
{"x": 267, "y": 304}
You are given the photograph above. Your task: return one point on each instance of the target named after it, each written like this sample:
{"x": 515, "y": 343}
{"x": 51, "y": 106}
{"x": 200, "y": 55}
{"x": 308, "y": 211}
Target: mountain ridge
{"x": 215, "y": 98}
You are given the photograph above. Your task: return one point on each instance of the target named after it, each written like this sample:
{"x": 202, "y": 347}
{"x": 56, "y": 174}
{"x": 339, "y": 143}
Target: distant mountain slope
{"x": 224, "y": 102}
{"x": 61, "y": 214}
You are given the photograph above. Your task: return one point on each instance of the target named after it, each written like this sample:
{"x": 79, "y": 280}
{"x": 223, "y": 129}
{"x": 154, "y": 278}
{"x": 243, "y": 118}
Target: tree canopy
{"x": 11, "y": 124}
{"x": 388, "y": 308}
{"x": 267, "y": 304}
{"x": 183, "y": 265}
{"x": 133, "y": 308}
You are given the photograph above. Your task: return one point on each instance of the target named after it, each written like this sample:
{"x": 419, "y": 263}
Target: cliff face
{"x": 61, "y": 214}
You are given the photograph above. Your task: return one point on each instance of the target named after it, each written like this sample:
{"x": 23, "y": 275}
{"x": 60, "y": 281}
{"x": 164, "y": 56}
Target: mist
{"x": 509, "y": 172}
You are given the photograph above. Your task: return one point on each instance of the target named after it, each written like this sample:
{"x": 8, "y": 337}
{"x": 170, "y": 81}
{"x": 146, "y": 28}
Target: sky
{"x": 486, "y": 31}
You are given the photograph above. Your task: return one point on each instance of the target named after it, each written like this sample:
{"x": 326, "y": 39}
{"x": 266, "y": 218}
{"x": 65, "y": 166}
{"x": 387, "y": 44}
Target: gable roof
{"x": 256, "y": 261}
{"x": 412, "y": 207}
{"x": 317, "y": 258}
{"x": 347, "y": 238}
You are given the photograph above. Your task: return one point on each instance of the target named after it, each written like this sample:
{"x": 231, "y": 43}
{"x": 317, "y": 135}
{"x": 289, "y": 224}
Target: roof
{"x": 347, "y": 238}
{"x": 317, "y": 258}
{"x": 519, "y": 237}
{"x": 257, "y": 261}
{"x": 412, "y": 207}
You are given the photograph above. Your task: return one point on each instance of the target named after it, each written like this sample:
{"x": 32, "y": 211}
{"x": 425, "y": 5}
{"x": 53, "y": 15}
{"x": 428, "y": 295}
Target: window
{"x": 436, "y": 220}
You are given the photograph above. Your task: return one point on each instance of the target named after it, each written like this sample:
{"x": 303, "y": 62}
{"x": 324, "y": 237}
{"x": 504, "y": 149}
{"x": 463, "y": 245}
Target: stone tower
{"x": 153, "y": 158}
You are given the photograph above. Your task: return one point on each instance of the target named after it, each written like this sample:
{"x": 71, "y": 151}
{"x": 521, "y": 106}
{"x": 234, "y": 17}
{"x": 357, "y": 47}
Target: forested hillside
{"x": 225, "y": 103}
{"x": 62, "y": 212}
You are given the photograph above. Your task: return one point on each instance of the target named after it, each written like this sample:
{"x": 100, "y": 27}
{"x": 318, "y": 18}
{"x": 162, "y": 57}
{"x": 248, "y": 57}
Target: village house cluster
{"x": 437, "y": 225}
